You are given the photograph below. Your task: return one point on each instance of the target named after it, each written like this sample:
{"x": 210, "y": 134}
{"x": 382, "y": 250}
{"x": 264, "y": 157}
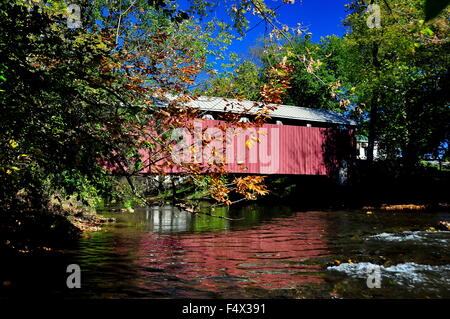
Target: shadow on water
{"x": 265, "y": 251}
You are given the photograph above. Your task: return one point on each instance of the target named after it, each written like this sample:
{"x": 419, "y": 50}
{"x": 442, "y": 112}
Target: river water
{"x": 263, "y": 252}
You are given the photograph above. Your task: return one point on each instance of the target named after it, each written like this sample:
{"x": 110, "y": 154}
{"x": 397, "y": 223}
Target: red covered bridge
{"x": 295, "y": 141}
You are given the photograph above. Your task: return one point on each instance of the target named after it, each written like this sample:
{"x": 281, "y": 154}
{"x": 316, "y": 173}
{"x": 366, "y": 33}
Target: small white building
{"x": 362, "y": 143}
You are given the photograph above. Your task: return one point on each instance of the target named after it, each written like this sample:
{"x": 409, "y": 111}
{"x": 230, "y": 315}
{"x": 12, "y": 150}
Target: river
{"x": 263, "y": 252}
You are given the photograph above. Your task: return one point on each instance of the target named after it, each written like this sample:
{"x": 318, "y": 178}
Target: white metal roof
{"x": 218, "y": 104}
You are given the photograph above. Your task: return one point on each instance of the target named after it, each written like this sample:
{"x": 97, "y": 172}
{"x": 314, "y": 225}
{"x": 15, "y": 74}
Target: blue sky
{"x": 321, "y": 17}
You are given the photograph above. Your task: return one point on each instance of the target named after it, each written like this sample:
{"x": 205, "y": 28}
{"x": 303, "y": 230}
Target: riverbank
{"x": 382, "y": 184}
{"x": 57, "y": 225}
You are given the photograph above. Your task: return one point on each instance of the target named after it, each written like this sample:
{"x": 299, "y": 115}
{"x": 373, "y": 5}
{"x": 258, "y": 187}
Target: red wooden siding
{"x": 285, "y": 149}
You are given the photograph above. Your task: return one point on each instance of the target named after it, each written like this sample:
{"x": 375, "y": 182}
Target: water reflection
{"x": 167, "y": 219}
{"x": 267, "y": 255}
{"x": 164, "y": 252}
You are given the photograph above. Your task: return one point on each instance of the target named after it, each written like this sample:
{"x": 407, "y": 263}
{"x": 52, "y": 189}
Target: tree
{"x": 76, "y": 99}
{"x": 400, "y": 72}
{"x": 317, "y": 69}
{"x": 244, "y": 82}
{"x": 57, "y": 101}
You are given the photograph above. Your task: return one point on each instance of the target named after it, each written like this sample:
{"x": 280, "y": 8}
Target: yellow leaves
{"x": 219, "y": 191}
{"x": 167, "y": 163}
{"x": 102, "y": 46}
{"x": 13, "y": 144}
{"x": 250, "y": 142}
{"x": 11, "y": 169}
{"x": 263, "y": 133}
{"x": 250, "y": 187}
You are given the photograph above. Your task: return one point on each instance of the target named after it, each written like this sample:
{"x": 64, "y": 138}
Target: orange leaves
{"x": 164, "y": 68}
{"x": 187, "y": 80}
{"x": 273, "y": 92}
{"x": 251, "y": 186}
{"x": 279, "y": 82}
{"x": 219, "y": 191}
{"x": 190, "y": 70}
{"x": 221, "y": 194}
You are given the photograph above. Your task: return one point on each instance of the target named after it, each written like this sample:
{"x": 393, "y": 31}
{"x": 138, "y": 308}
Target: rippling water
{"x": 161, "y": 252}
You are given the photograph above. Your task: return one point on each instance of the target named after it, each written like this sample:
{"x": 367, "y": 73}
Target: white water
{"x": 423, "y": 237}
{"x": 408, "y": 274}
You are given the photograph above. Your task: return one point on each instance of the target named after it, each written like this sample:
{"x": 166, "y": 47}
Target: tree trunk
{"x": 374, "y": 106}
{"x": 411, "y": 155}
{"x": 372, "y": 132}
{"x": 174, "y": 189}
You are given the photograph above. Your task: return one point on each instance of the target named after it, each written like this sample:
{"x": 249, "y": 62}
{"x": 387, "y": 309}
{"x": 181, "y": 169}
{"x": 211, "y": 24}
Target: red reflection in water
{"x": 267, "y": 256}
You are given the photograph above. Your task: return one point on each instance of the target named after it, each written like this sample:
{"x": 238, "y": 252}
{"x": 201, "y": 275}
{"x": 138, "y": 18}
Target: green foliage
{"x": 317, "y": 70}
{"x": 91, "y": 190}
{"x": 70, "y": 105}
{"x": 244, "y": 82}
{"x": 400, "y": 73}
{"x": 57, "y": 103}
{"x": 393, "y": 80}
{"x": 68, "y": 100}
